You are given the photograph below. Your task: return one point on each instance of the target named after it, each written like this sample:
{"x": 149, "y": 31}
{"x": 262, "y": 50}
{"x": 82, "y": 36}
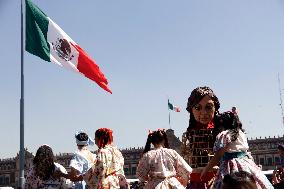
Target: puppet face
{"x": 203, "y": 111}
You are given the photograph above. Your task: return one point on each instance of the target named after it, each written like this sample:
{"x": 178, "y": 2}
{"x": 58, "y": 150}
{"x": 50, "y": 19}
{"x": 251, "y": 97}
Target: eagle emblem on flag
{"x": 63, "y": 49}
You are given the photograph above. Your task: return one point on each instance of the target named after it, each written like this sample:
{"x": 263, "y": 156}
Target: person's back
{"x": 108, "y": 170}
{"x": 162, "y": 167}
{"x": 112, "y": 158}
{"x": 82, "y": 160}
{"x": 43, "y": 172}
{"x": 163, "y": 163}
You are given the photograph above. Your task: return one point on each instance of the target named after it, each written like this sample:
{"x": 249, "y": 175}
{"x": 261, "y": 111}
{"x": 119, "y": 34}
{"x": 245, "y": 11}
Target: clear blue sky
{"x": 149, "y": 51}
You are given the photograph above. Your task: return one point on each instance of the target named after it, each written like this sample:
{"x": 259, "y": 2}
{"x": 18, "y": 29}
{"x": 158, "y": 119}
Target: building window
{"x": 269, "y": 161}
{"x": 133, "y": 171}
{"x": 254, "y": 157}
{"x": 126, "y": 171}
{"x": 261, "y": 161}
{"x": 277, "y": 160}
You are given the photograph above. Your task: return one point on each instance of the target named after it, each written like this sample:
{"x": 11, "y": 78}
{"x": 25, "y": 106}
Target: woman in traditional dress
{"x": 231, "y": 150}
{"x": 162, "y": 168}
{"x": 44, "y": 170}
{"x": 198, "y": 140}
{"x": 108, "y": 170}
{"x": 82, "y": 160}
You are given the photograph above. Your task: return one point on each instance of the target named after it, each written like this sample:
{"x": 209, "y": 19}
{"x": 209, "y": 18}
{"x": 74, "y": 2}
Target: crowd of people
{"x": 216, "y": 156}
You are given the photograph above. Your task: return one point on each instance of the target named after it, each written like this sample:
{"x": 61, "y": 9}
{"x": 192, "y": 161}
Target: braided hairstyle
{"x": 44, "y": 162}
{"x": 156, "y": 137}
{"x": 104, "y": 137}
{"x": 195, "y": 97}
{"x": 230, "y": 121}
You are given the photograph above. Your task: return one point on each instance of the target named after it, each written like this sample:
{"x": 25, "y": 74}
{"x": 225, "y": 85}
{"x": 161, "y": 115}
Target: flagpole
{"x": 169, "y": 114}
{"x": 22, "y": 149}
{"x": 170, "y": 119}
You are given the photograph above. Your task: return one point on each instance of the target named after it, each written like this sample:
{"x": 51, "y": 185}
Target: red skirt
{"x": 195, "y": 177}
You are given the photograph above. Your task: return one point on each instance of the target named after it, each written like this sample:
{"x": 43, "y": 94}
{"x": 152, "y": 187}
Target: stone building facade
{"x": 131, "y": 160}
{"x": 264, "y": 152}
{"x": 9, "y": 169}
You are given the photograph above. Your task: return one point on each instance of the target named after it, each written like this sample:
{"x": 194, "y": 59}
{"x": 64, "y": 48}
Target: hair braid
{"x": 148, "y": 143}
{"x": 166, "y": 141}
{"x": 156, "y": 137}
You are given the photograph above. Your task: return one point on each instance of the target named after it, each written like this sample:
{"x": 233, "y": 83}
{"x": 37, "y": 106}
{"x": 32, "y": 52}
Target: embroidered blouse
{"x": 33, "y": 181}
{"x": 163, "y": 168}
{"x": 107, "y": 169}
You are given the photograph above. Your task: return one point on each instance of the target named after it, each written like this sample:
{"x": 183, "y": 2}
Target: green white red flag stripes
{"x": 45, "y": 39}
{"x": 172, "y": 107}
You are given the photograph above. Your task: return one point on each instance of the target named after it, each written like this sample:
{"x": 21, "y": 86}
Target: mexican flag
{"x": 45, "y": 39}
{"x": 172, "y": 107}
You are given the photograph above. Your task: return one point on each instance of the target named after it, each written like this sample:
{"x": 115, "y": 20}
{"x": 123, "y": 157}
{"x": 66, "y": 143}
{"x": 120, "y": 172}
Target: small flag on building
{"x": 45, "y": 39}
{"x": 172, "y": 107}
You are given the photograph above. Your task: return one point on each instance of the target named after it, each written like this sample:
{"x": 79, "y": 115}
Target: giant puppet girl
{"x": 198, "y": 140}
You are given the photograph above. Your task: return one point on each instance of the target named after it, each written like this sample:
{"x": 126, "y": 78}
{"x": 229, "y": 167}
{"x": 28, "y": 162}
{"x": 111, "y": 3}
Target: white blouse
{"x": 163, "y": 168}
{"x": 225, "y": 139}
